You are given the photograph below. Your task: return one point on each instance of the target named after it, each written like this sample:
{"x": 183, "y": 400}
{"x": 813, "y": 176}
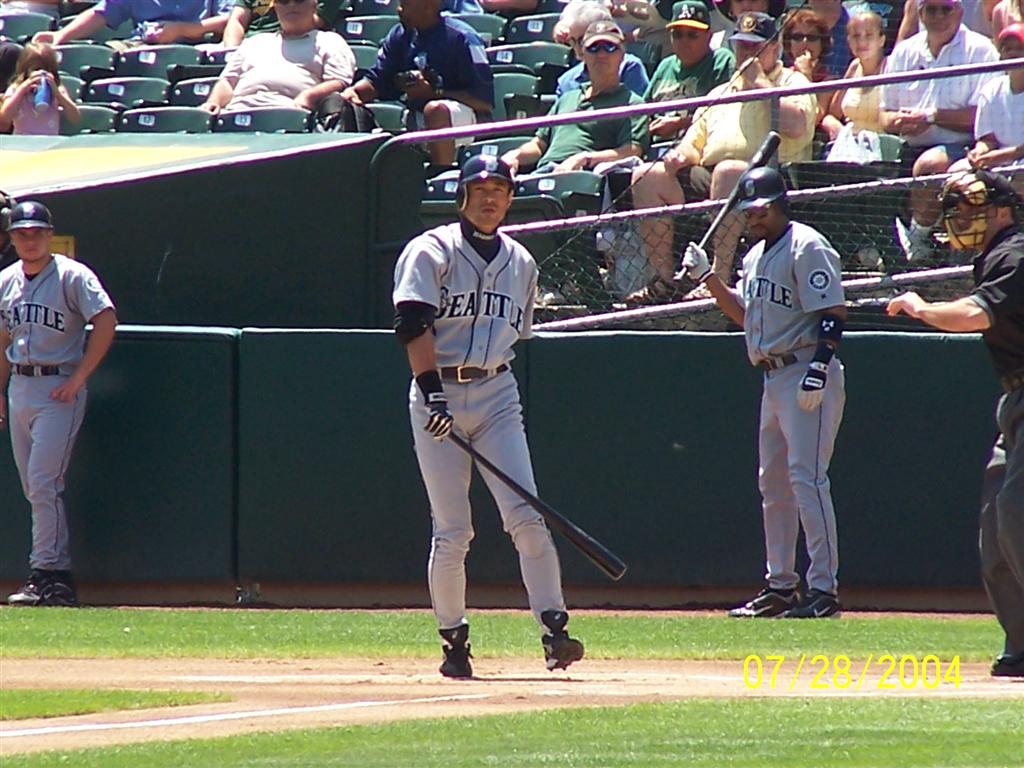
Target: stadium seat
{"x": 533, "y": 28}
{"x": 657, "y": 150}
{"x": 178, "y": 72}
{"x": 532, "y": 55}
{"x": 165, "y": 120}
{"x": 20, "y": 27}
{"x": 580, "y": 193}
{"x": 75, "y": 59}
{"x": 366, "y": 56}
{"x": 441, "y": 189}
{"x": 374, "y": 7}
{"x": 92, "y": 119}
{"x": 263, "y": 120}
{"x": 219, "y": 56}
{"x": 495, "y": 147}
{"x": 153, "y": 60}
{"x": 372, "y": 29}
{"x": 522, "y": 105}
{"x": 127, "y": 92}
{"x": 73, "y": 85}
{"x": 191, "y": 93}
{"x": 390, "y": 115}
{"x": 506, "y": 83}
{"x": 488, "y": 25}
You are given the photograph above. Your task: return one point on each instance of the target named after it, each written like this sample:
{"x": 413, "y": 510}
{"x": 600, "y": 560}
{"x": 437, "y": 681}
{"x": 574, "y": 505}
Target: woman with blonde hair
{"x": 35, "y": 99}
{"x": 1006, "y": 13}
{"x": 860, "y": 106}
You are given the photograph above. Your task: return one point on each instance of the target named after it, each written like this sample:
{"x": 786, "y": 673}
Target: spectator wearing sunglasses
{"x": 806, "y": 42}
{"x": 979, "y": 16}
{"x": 582, "y": 146}
{"x": 935, "y": 117}
{"x": 715, "y": 151}
{"x": 250, "y": 17}
{"x": 692, "y": 70}
{"x": 572, "y": 25}
{"x": 728, "y": 11}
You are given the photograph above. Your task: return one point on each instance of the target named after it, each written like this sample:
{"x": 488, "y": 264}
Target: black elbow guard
{"x": 412, "y": 320}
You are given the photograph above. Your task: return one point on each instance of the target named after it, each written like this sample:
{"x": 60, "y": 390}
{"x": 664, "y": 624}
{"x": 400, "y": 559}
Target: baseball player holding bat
{"x": 463, "y": 297}
{"x": 981, "y": 210}
{"x": 790, "y": 303}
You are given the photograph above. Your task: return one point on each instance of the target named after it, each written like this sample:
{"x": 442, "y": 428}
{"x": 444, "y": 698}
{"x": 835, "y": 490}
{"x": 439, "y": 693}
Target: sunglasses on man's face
{"x": 800, "y": 37}
{"x": 937, "y": 10}
{"x": 605, "y": 47}
{"x": 688, "y": 34}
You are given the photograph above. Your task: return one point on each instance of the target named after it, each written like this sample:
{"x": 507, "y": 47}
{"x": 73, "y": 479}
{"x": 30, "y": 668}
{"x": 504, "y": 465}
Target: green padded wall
{"x": 151, "y": 489}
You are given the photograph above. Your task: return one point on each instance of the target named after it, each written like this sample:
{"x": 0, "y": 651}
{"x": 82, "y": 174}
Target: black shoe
{"x": 560, "y": 650}
{"x": 767, "y": 604}
{"x": 456, "y": 652}
{"x": 818, "y": 604}
{"x": 1008, "y": 666}
{"x": 45, "y": 588}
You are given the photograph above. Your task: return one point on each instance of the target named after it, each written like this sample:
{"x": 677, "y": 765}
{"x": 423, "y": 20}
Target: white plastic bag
{"x": 859, "y": 147}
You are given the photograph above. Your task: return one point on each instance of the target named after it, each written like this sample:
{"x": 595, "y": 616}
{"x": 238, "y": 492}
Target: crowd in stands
{"x": 437, "y": 59}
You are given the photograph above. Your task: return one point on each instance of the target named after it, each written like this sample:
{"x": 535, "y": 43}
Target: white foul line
{"x": 192, "y": 720}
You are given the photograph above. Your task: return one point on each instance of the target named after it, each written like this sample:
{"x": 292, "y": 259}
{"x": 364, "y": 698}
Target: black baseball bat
{"x": 594, "y": 550}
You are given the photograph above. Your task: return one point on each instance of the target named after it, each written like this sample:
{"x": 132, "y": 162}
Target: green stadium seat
{"x": 92, "y": 119}
{"x": 219, "y": 56}
{"x": 495, "y": 147}
{"x": 366, "y": 55}
{"x": 178, "y": 72}
{"x": 191, "y": 93}
{"x": 75, "y": 59}
{"x": 507, "y": 83}
{"x": 372, "y": 29}
{"x": 522, "y": 105}
{"x": 533, "y": 28}
{"x": 533, "y": 55}
{"x": 73, "y": 85}
{"x": 165, "y": 120}
{"x": 20, "y": 27}
{"x": 390, "y": 115}
{"x": 579, "y": 192}
{"x": 127, "y": 92}
{"x": 263, "y": 120}
{"x": 153, "y": 60}
{"x": 488, "y": 25}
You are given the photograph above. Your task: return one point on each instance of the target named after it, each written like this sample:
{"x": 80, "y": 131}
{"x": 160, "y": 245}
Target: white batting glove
{"x": 695, "y": 264}
{"x": 812, "y": 386}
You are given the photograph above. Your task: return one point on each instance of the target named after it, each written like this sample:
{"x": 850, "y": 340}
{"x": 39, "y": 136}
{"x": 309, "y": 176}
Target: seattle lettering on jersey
{"x": 485, "y": 304}
{"x": 32, "y": 314}
{"x": 763, "y": 288}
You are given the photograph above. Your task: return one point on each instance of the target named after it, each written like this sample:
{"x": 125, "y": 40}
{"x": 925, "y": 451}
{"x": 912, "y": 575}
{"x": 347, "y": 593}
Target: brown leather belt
{"x": 775, "y": 363}
{"x": 1013, "y": 381}
{"x": 36, "y": 370}
{"x": 466, "y": 373}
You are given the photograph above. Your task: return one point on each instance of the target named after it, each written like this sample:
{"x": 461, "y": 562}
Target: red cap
{"x": 1016, "y": 31}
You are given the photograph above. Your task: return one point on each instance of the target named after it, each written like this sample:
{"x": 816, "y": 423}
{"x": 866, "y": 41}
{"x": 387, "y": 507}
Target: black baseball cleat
{"x": 818, "y": 604}
{"x": 46, "y": 588}
{"x": 768, "y": 603}
{"x": 1008, "y": 666}
{"x": 456, "y": 652}
{"x": 560, "y": 650}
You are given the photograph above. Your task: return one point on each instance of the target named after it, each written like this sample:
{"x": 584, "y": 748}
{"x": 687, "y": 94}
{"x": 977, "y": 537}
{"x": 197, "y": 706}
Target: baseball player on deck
{"x": 790, "y": 303}
{"x": 981, "y": 210}
{"x": 45, "y": 302}
{"x": 463, "y": 297}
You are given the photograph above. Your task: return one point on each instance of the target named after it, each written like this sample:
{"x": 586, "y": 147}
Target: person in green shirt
{"x": 581, "y": 146}
{"x": 249, "y": 17}
{"x": 692, "y": 70}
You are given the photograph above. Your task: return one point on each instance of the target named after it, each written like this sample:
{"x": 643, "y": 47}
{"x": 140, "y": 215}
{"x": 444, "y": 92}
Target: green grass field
{"x": 925, "y": 730}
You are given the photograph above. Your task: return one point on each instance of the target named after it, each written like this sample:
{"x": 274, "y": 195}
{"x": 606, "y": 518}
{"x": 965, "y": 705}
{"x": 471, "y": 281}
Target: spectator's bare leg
{"x": 436, "y": 115}
{"x": 653, "y": 186}
{"x": 727, "y": 237}
{"x": 924, "y": 202}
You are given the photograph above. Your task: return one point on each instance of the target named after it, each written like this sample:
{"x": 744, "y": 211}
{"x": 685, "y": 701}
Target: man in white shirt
{"x": 935, "y": 117}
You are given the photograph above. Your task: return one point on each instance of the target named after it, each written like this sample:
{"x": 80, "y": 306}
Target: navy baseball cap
{"x": 754, "y": 28}
{"x": 30, "y": 214}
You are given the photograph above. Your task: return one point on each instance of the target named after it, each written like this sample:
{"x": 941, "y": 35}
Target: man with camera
{"x": 439, "y": 64}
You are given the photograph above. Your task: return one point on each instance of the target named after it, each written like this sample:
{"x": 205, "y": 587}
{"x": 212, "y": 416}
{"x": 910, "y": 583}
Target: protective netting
{"x": 600, "y": 266}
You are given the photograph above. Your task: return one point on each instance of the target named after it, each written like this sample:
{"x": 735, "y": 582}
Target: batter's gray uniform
{"x": 46, "y": 317}
{"x": 784, "y": 289}
{"x": 483, "y": 309}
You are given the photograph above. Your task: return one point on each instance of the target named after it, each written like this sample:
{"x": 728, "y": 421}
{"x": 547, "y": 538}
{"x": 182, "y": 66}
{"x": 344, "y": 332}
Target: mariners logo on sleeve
{"x": 819, "y": 279}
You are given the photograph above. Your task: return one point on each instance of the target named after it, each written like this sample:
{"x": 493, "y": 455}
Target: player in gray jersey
{"x": 463, "y": 297}
{"x": 45, "y": 302}
{"x": 791, "y": 305}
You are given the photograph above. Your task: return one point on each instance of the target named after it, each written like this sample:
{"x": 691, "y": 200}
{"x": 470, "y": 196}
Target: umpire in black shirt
{"x": 982, "y": 211}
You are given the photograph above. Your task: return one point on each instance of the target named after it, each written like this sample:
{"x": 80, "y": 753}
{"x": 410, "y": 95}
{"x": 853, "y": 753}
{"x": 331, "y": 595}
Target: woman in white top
{"x": 860, "y": 106}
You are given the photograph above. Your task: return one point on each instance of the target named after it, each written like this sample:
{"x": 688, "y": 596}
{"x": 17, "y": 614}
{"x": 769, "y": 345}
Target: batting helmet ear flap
{"x": 6, "y": 203}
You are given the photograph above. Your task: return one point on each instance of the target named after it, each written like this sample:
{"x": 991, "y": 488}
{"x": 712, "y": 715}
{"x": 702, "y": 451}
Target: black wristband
{"x": 429, "y": 383}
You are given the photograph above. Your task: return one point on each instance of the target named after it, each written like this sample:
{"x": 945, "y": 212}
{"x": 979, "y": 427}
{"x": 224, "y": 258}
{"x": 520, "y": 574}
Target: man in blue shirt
{"x": 574, "y": 22}
{"x": 835, "y": 16}
{"x": 439, "y": 64}
{"x": 187, "y": 20}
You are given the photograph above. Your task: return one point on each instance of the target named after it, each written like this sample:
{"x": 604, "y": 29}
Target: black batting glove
{"x": 440, "y": 421}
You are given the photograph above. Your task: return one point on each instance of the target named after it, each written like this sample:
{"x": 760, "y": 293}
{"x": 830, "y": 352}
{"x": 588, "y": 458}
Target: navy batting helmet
{"x": 480, "y": 167}
{"x": 30, "y": 214}
{"x": 760, "y": 187}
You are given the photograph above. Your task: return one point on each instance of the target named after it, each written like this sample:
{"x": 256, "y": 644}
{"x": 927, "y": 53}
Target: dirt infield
{"x": 281, "y": 694}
